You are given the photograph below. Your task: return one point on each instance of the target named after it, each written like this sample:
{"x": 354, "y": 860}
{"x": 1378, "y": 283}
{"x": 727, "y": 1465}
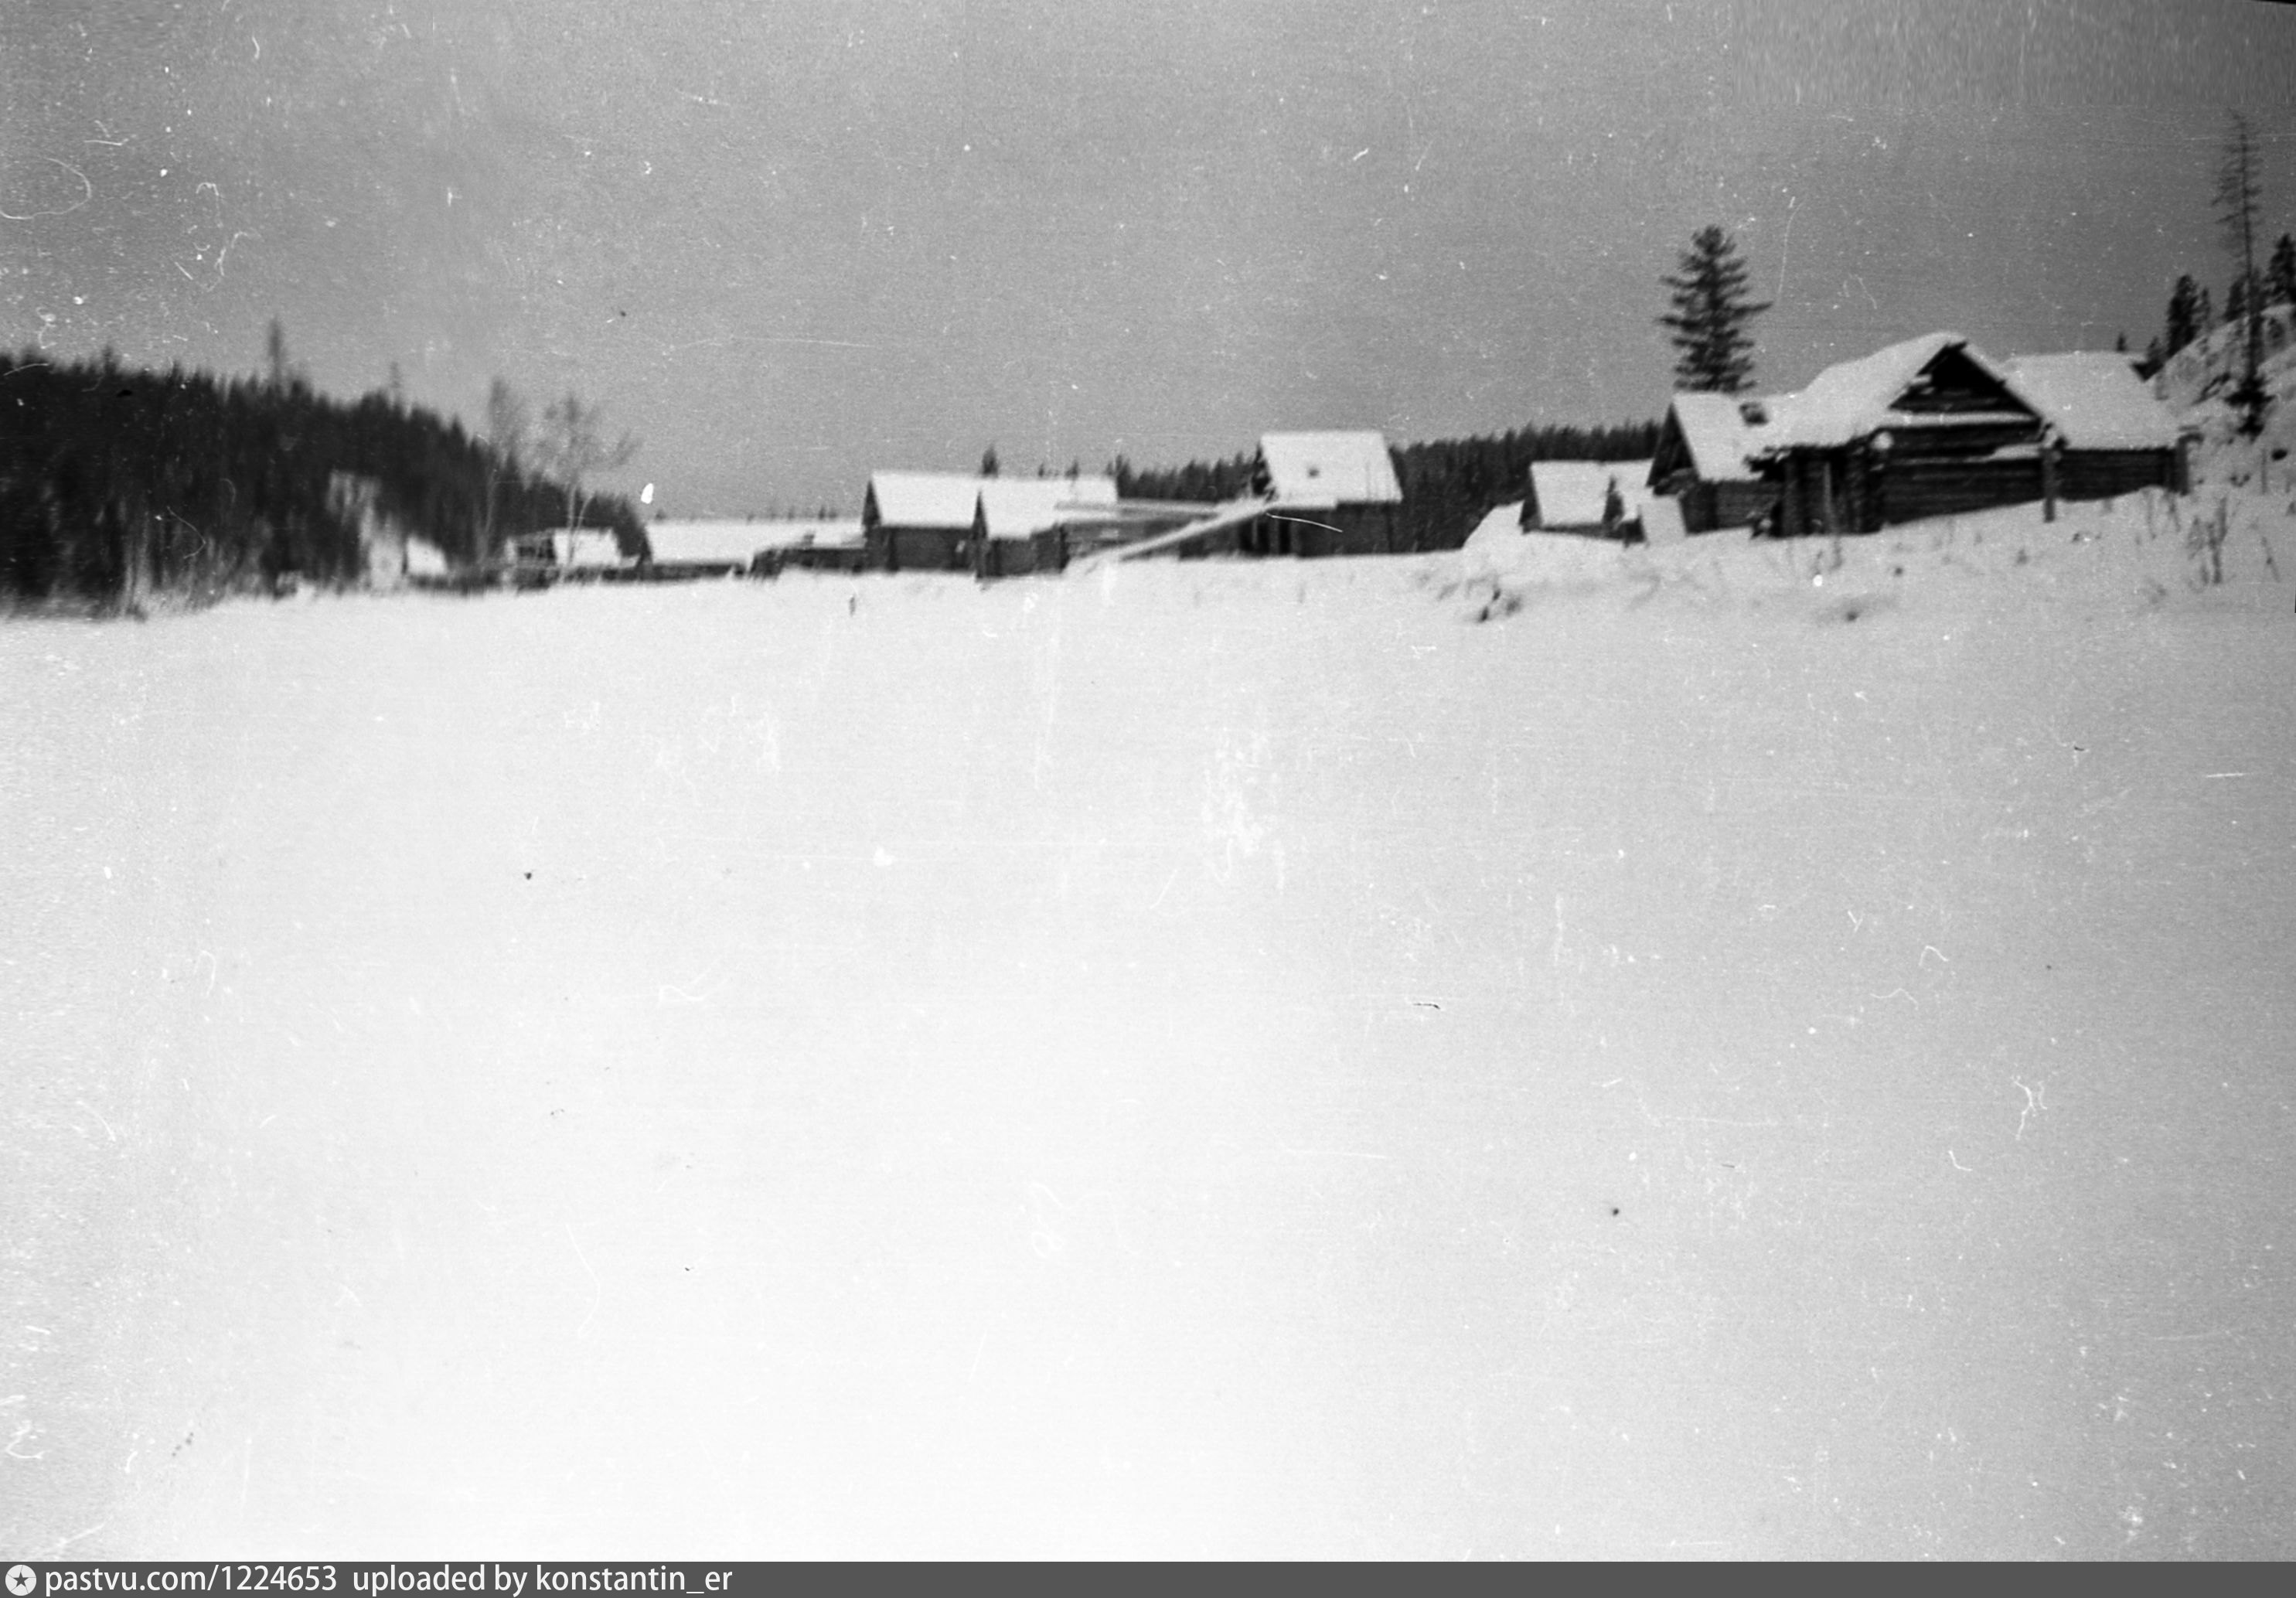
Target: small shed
{"x": 715, "y": 547}
{"x": 1601, "y": 497}
{"x": 1333, "y": 493}
{"x": 563, "y": 554}
{"x": 1020, "y": 524}
{"x": 819, "y": 544}
{"x": 1705, "y": 461}
{"x": 920, "y": 521}
{"x": 1930, "y": 427}
{"x": 2109, "y": 434}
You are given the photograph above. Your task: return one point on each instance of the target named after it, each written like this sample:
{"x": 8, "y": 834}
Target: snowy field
{"x": 1532, "y": 1052}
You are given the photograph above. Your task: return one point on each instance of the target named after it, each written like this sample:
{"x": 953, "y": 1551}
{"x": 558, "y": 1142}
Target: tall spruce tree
{"x": 2239, "y": 195}
{"x": 1711, "y": 313}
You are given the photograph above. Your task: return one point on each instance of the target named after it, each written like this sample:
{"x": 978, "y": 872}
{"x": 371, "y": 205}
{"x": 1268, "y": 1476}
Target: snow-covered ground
{"x": 1538, "y": 1051}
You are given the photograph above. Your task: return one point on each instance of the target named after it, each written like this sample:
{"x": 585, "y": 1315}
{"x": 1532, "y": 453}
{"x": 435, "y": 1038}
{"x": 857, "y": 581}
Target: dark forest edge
{"x": 122, "y": 485}
{"x": 119, "y": 485}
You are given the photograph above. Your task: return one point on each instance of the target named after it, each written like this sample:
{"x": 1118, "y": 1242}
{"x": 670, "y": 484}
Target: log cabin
{"x": 1704, "y": 461}
{"x": 1332, "y": 493}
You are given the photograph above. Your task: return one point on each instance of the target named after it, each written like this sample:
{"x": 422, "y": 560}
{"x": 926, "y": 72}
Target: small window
{"x": 1753, "y": 413}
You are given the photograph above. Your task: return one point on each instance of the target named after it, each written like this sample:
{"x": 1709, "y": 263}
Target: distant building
{"x": 1332, "y": 493}
{"x": 2111, "y": 435}
{"x": 1930, "y": 427}
{"x": 820, "y": 544}
{"x": 1022, "y": 524}
{"x": 564, "y": 553}
{"x": 920, "y": 521}
{"x": 1935, "y": 427}
{"x": 1602, "y": 498}
{"x": 715, "y": 547}
{"x": 1704, "y": 463}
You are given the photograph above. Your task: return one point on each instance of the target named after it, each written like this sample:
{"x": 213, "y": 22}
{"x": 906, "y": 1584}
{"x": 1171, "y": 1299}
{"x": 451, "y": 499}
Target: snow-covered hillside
{"x": 1710, "y": 1051}
{"x": 2194, "y": 383}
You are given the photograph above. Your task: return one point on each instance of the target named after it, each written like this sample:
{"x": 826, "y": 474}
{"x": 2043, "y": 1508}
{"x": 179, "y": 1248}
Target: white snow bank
{"x": 1215, "y": 1058}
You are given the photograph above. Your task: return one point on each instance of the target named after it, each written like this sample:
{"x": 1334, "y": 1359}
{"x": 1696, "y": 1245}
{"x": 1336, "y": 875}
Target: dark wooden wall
{"x": 2107, "y": 473}
{"x": 1708, "y": 506}
{"x": 918, "y": 549}
{"x": 1341, "y": 530}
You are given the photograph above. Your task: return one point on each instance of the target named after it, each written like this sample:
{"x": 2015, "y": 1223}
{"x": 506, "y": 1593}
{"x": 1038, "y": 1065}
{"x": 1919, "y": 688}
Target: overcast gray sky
{"x": 788, "y": 242}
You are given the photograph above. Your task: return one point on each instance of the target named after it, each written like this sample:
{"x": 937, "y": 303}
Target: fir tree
{"x": 1707, "y": 324}
{"x": 2184, "y": 315}
{"x": 2280, "y": 276}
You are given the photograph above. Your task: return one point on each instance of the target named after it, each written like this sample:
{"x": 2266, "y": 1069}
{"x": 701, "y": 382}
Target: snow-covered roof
{"x": 588, "y": 547}
{"x": 942, "y": 499}
{"x": 675, "y": 541}
{"x": 1499, "y": 518}
{"x": 1311, "y": 469}
{"x": 2095, "y": 399}
{"x": 1721, "y": 434}
{"x": 1856, "y": 397}
{"x": 1570, "y": 492}
{"x": 1015, "y": 507}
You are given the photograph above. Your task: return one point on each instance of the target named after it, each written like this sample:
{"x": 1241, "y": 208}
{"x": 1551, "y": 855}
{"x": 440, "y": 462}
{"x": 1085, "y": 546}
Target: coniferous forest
{"x": 117, "y": 482}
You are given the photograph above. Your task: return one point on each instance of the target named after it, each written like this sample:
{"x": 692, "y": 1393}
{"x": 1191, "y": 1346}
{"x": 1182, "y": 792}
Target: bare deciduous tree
{"x": 572, "y": 446}
{"x": 2239, "y": 196}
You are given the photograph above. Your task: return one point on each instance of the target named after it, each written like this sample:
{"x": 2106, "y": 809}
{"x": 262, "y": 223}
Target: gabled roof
{"x": 672, "y": 542}
{"x": 1322, "y": 470}
{"x": 1721, "y": 433}
{"x": 1015, "y": 507}
{"x": 935, "y": 499}
{"x": 2095, "y": 399}
{"x": 1570, "y": 492}
{"x": 1856, "y": 397}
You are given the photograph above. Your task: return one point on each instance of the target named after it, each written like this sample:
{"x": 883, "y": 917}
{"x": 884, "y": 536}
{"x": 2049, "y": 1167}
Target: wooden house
{"x": 1930, "y": 427}
{"x": 1602, "y": 499}
{"x": 920, "y": 521}
{"x": 1022, "y": 524}
{"x": 1704, "y": 463}
{"x": 1330, "y": 494}
{"x": 2108, "y": 434}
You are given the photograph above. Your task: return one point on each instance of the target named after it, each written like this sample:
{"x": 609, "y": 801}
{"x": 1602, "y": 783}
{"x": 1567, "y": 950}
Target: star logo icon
{"x": 21, "y": 1581}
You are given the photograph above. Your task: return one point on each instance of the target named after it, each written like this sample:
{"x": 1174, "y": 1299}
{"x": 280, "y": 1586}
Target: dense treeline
{"x": 116, "y": 482}
{"x": 1448, "y": 484}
